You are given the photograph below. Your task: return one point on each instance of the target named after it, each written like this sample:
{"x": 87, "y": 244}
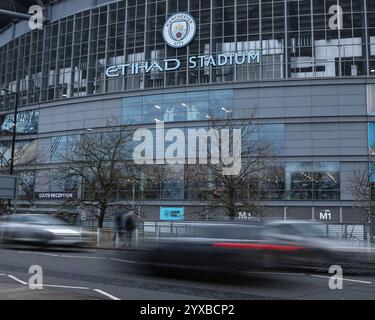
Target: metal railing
{"x": 358, "y": 233}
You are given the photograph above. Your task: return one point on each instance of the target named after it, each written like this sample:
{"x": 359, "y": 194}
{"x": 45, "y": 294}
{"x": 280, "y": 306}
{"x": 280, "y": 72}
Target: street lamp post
{"x": 133, "y": 191}
{"x": 11, "y": 169}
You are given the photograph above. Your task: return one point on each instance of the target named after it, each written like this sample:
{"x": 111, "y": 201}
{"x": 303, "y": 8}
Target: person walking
{"x": 119, "y": 227}
{"x": 130, "y": 226}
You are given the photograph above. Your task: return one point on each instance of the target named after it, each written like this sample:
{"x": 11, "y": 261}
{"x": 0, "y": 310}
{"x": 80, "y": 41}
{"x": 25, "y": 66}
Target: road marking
{"x": 343, "y": 279}
{"x": 121, "y": 260}
{"x": 16, "y": 279}
{"x": 277, "y": 273}
{"x": 61, "y": 255}
{"x": 106, "y": 294}
{"x": 65, "y": 287}
{"x": 40, "y": 253}
{"x": 82, "y": 257}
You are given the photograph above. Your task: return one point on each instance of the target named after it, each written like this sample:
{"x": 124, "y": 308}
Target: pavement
{"x": 106, "y": 274}
{"x": 13, "y": 291}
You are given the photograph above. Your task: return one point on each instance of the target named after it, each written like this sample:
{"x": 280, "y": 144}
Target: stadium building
{"x": 305, "y": 68}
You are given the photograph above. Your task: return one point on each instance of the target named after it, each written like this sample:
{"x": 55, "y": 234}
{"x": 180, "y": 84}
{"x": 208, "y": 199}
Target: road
{"x": 106, "y": 275}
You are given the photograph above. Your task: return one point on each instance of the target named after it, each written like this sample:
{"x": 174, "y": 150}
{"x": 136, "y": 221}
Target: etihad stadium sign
{"x": 194, "y": 62}
{"x": 178, "y": 32}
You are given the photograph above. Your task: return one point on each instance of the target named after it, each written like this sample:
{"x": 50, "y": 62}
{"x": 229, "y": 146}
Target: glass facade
{"x": 312, "y": 181}
{"x": 26, "y": 185}
{"x": 60, "y": 147}
{"x": 27, "y": 122}
{"x": 25, "y": 152}
{"x": 294, "y": 39}
{"x": 285, "y": 181}
{"x": 60, "y": 182}
{"x": 289, "y": 181}
{"x": 174, "y": 107}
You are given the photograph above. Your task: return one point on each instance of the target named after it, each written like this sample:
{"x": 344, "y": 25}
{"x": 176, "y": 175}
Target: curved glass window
{"x": 235, "y": 41}
{"x": 313, "y": 180}
{"x": 27, "y": 122}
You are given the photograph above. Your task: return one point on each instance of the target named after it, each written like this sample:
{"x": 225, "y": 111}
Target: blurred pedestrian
{"x": 119, "y": 227}
{"x": 130, "y": 226}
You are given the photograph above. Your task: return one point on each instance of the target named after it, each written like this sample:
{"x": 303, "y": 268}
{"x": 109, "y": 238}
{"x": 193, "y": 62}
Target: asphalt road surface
{"x": 106, "y": 275}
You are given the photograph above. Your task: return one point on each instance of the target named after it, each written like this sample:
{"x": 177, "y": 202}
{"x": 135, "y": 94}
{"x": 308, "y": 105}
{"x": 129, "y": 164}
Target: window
{"x": 313, "y": 181}
{"x": 326, "y": 185}
{"x": 175, "y": 107}
{"x": 62, "y": 180}
{"x": 27, "y": 122}
{"x": 60, "y": 147}
{"x": 26, "y": 184}
{"x": 299, "y": 181}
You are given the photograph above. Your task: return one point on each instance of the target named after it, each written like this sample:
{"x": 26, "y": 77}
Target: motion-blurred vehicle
{"x": 226, "y": 247}
{"x": 239, "y": 247}
{"x": 40, "y": 229}
{"x": 314, "y": 250}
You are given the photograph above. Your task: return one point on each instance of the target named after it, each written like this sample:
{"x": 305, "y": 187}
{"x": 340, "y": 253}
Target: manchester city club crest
{"x": 179, "y": 30}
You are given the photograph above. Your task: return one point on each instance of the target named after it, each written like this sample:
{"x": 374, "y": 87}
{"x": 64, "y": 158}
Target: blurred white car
{"x": 40, "y": 229}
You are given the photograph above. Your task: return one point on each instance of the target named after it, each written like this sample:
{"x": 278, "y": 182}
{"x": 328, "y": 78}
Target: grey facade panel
{"x": 80, "y": 116}
{"x": 304, "y": 101}
{"x": 297, "y": 101}
{"x": 44, "y": 151}
{"x": 326, "y": 139}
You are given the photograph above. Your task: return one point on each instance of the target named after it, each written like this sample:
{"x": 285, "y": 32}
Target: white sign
{"x": 83, "y": 216}
{"x": 325, "y": 215}
{"x": 243, "y": 215}
{"x": 204, "y": 61}
{"x": 55, "y": 195}
{"x": 179, "y": 30}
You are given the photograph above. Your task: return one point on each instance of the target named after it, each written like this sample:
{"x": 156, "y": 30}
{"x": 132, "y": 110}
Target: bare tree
{"x": 222, "y": 186}
{"x": 362, "y": 187}
{"x": 103, "y": 164}
{"x": 24, "y": 160}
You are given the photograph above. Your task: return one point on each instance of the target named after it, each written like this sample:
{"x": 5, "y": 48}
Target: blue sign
{"x": 174, "y": 214}
{"x": 371, "y": 138}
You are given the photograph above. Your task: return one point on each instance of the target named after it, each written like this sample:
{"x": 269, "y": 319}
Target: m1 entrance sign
{"x": 8, "y": 186}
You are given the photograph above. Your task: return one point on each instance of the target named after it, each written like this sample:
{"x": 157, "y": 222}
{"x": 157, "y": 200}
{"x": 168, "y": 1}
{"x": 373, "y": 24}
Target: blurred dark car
{"x": 314, "y": 251}
{"x": 207, "y": 246}
{"x": 239, "y": 247}
{"x": 40, "y": 229}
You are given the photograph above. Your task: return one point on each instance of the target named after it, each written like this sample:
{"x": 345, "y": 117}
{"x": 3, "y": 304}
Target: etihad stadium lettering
{"x": 203, "y": 61}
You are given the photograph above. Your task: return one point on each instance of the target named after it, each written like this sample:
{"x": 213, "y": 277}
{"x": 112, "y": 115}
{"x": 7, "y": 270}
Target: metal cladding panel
{"x": 8, "y": 187}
